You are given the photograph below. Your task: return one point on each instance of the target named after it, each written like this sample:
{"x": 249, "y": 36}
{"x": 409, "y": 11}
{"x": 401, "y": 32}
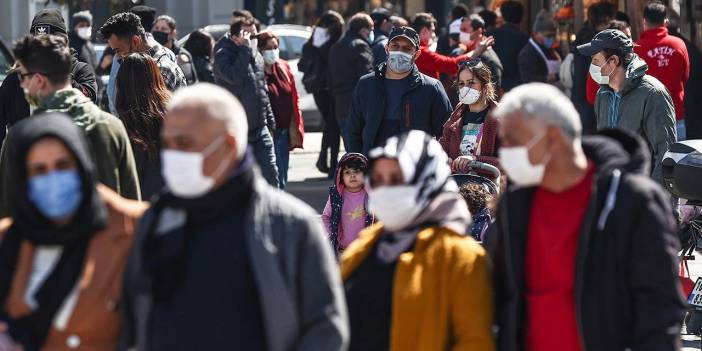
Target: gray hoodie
{"x": 643, "y": 106}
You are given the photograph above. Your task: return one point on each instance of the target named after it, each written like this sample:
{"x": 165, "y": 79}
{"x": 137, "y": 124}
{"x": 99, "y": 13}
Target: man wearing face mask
{"x": 165, "y": 33}
{"x": 129, "y": 32}
{"x": 13, "y": 105}
{"x": 396, "y": 97}
{"x": 222, "y": 257}
{"x": 239, "y": 67}
{"x": 80, "y": 37}
{"x": 350, "y": 58}
{"x": 584, "y": 241}
{"x": 538, "y": 61}
{"x": 431, "y": 63}
{"x": 44, "y": 63}
{"x": 381, "y": 29}
{"x": 628, "y": 97}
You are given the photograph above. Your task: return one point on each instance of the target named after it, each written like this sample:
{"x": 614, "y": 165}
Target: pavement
{"x": 312, "y": 186}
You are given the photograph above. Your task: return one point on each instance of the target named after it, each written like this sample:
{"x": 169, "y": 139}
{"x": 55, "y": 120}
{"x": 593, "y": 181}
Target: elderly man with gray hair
{"x": 584, "y": 246}
{"x": 222, "y": 260}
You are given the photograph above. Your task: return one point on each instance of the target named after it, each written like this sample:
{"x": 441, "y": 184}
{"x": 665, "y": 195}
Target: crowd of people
{"x": 162, "y": 224}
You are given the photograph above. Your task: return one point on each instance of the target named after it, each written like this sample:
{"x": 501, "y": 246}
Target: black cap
{"x": 406, "y": 32}
{"x": 607, "y": 39}
{"x": 146, "y": 14}
{"x": 380, "y": 14}
{"x": 48, "y": 21}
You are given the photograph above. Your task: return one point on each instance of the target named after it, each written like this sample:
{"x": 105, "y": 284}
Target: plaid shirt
{"x": 172, "y": 74}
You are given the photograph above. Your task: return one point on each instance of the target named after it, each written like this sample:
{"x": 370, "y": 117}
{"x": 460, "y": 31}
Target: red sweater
{"x": 667, "y": 60}
{"x": 549, "y": 266}
{"x": 433, "y": 64}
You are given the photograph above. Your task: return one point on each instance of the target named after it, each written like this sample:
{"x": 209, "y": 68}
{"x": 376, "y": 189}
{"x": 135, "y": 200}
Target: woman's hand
{"x": 460, "y": 164}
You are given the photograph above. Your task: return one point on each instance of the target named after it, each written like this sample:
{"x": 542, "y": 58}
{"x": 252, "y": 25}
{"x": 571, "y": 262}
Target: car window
{"x": 283, "y": 47}
{"x": 295, "y": 44}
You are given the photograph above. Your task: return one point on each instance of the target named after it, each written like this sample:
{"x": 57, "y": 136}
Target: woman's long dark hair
{"x": 141, "y": 101}
{"x": 200, "y": 44}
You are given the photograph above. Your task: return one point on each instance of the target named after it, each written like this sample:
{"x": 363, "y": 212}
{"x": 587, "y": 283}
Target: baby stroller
{"x": 682, "y": 169}
{"x": 488, "y": 177}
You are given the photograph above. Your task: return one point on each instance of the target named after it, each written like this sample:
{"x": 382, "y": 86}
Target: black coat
{"x": 240, "y": 70}
{"x": 186, "y": 63}
{"x": 581, "y": 72}
{"x": 203, "y": 66}
{"x": 314, "y": 64}
{"x": 626, "y": 286}
{"x": 351, "y": 58}
{"x": 13, "y": 105}
{"x": 378, "y": 47}
{"x": 532, "y": 67}
{"x": 509, "y": 40}
{"x": 84, "y": 49}
{"x": 425, "y": 107}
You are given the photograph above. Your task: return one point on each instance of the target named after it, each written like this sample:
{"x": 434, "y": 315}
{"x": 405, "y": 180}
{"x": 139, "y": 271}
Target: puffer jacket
{"x": 644, "y": 107}
{"x": 626, "y": 287}
{"x": 425, "y": 107}
{"x": 239, "y": 69}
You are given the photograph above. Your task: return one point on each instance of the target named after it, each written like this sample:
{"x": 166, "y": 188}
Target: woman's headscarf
{"x": 424, "y": 165}
{"x": 30, "y": 225}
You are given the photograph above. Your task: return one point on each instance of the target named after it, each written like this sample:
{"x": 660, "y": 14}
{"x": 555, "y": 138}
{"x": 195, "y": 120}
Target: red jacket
{"x": 452, "y": 134}
{"x": 667, "y": 60}
{"x": 297, "y": 124}
{"x": 433, "y": 64}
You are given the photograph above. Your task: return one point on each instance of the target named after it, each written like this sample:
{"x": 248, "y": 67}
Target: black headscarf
{"x": 30, "y": 225}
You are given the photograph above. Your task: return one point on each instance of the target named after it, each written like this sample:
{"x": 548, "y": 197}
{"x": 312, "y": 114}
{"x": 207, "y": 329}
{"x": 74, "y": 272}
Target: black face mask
{"x": 160, "y": 37}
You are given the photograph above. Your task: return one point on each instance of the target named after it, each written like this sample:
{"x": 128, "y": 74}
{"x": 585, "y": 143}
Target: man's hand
{"x": 243, "y": 39}
{"x": 460, "y": 164}
{"x": 483, "y": 45}
{"x": 106, "y": 61}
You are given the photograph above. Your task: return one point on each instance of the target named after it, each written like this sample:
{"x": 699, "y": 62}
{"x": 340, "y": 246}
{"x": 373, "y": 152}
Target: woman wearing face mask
{"x": 414, "y": 281}
{"x": 200, "y": 44}
{"x": 64, "y": 249}
{"x": 314, "y": 63}
{"x": 285, "y": 102}
{"x": 471, "y": 133}
{"x": 141, "y": 105}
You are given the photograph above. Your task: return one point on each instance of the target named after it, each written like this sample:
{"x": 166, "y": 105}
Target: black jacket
{"x": 84, "y": 49}
{"x": 626, "y": 286}
{"x": 186, "y": 64}
{"x": 509, "y": 40}
{"x": 532, "y": 67}
{"x": 203, "y": 67}
{"x": 351, "y": 58}
{"x": 581, "y": 72}
{"x": 425, "y": 107}
{"x": 240, "y": 70}
{"x": 378, "y": 47}
{"x": 314, "y": 64}
{"x": 13, "y": 105}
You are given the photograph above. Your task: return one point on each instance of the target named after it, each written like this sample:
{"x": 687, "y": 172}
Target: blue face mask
{"x": 548, "y": 42}
{"x": 371, "y": 37}
{"x": 56, "y": 194}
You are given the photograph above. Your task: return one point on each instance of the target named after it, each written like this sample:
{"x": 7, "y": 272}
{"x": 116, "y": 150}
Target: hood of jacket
{"x": 612, "y": 149}
{"x": 634, "y": 72}
{"x": 339, "y": 180}
{"x": 71, "y": 102}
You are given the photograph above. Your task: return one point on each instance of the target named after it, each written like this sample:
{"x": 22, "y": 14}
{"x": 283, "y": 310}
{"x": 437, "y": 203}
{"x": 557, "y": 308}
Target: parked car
{"x": 292, "y": 38}
{"x": 6, "y": 61}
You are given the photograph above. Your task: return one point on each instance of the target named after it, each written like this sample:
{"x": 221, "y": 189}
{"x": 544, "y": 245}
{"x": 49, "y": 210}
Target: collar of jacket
{"x": 61, "y": 100}
{"x": 654, "y": 33}
{"x": 416, "y": 76}
{"x": 632, "y": 77}
{"x": 456, "y": 118}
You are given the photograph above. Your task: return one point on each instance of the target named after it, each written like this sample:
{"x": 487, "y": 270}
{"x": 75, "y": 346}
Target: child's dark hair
{"x": 356, "y": 164}
{"x": 476, "y": 196}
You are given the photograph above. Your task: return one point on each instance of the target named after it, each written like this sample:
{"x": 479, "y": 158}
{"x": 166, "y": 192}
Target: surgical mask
{"x": 253, "y": 44}
{"x": 183, "y": 171}
{"x": 160, "y": 37}
{"x": 320, "y": 36}
{"x": 270, "y": 56}
{"x": 596, "y": 74}
{"x": 515, "y": 161}
{"x": 85, "y": 33}
{"x": 395, "y": 206}
{"x": 468, "y": 95}
{"x": 399, "y": 61}
{"x": 464, "y": 38}
{"x": 56, "y": 194}
{"x": 371, "y": 37}
{"x": 548, "y": 42}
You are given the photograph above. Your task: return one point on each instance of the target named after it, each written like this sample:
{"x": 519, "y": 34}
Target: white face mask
{"x": 596, "y": 74}
{"x": 468, "y": 95}
{"x": 320, "y": 36}
{"x": 183, "y": 173}
{"x": 270, "y": 56}
{"x": 464, "y": 38}
{"x": 395, "y": 206}
{"x": 253, "y": 44}
{"x": 85, "y": 33}
{"x": 515, "y": 161}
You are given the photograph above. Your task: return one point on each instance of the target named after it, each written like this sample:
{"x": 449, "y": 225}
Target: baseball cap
{"x": 406, "y": 32}
{"x": 48, "y": 21}
{"x": 606, "y": 39}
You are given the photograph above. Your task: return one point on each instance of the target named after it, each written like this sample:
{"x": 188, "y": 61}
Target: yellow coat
{"x": 442, "y": 295}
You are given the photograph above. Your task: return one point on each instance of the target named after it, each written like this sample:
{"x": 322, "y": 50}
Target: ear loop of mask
{"x": 206, "y": 152}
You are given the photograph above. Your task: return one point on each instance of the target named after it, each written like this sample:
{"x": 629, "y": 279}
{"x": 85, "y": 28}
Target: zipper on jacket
{"x": 408, "y": 118}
